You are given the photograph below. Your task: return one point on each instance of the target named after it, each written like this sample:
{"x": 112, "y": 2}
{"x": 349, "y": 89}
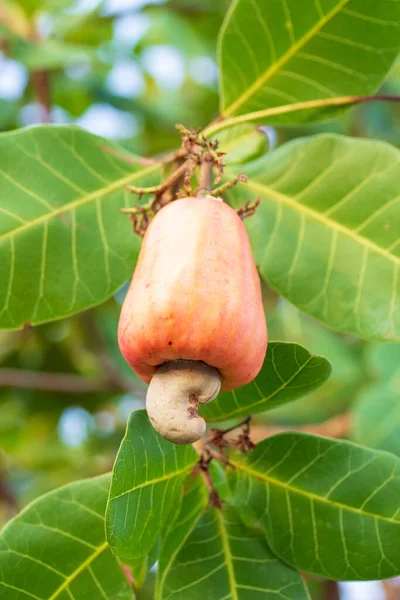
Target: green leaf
{"x": 242, "y": 143}
{"x": 146, "y": 488}
{"x": 219, "y": 557}
{"x": 289, "y": 372}
{"x": 55, "y": 548}
{"x": 376, "y": 418}
{"x": 274, "y": 52}
{"x": 64, "y": 245}
{"x": 193, "y": 505}
{"x": 327, "y": 507}
{"x": 326, "y": 234}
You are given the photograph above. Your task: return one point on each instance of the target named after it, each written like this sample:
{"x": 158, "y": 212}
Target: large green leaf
{"x": 146, "y": 488}
{"x": 219, "y": 557}
{"x": 56, "y": 549}
{"x": 327, "y": 507}
{"x": 326, "y": 234}
{"x": 280, "y": 52}
{"x": 64, "y": 245}
{"x": 289, "y": 372}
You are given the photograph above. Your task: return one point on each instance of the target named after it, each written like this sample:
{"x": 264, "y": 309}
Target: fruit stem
{"x": 206, "y": 176}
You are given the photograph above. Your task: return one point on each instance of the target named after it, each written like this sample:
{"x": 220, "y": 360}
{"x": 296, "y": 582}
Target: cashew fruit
{"x": 195, "y": 299}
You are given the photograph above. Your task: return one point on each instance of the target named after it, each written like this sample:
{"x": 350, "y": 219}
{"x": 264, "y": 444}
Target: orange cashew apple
{"x": 193, "y": 322}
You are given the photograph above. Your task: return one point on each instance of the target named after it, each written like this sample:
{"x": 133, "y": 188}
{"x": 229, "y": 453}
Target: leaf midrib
{"x": 330, "y": 223}
{"x": 95, "y": 195}
{"x": 165, "y": 477}
{"x": 228, "y": 555}
{"x": 283, "y": 60}
{"x": 309, "y": 495}
{"x": 262, "y": 400}
{"x": 79, "y": 570}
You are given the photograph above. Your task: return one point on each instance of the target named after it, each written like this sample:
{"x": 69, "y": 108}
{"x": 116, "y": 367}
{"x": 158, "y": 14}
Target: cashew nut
{"x": 175, "y": 391}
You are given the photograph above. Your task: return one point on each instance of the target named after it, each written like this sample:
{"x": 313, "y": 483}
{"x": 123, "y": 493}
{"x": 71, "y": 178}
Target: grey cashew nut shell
{"x": 174, "y": 393}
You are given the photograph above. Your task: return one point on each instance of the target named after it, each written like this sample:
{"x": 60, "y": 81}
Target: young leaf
{"x": 376, "y": 418}
{"x": 289, "y": 372}
{"x": 219, "y": 557}
{"x": 275, "y": 53}
{"x": 326, "y": 234}
{"x": 64, "y": 245}
{"x": 56, "y": 549}
{"x": 327, "y": 507}
{"x": 146, "y": 488}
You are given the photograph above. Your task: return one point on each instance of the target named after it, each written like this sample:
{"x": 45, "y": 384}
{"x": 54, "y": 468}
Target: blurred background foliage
{"x": 129, "y": 70}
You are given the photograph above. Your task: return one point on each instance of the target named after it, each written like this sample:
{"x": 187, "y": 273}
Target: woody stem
{"x": 206, "y": 177}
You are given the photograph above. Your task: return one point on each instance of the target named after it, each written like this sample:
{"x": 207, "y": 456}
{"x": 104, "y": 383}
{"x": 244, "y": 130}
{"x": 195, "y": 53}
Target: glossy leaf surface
{"x": 60, "y": 196}
{"x": 326, "y": 234}
{"x": 289, "y": 372}
{"x": 327, "y": 507}
{"x": 146, "y": 488}
{"x": 274, "y": 52}
{"x": 56, "y": 549}
{"x": 219, "y": 557}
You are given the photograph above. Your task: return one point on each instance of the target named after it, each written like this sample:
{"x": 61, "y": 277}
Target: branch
{"x": 7, "y": 497}
{"x": 41, "y": 87}
{"x": 206, "y": 178}
{"x": 261, "y": 115}
{"x": 331, "y": 590}
{"x": 68, "y": 383}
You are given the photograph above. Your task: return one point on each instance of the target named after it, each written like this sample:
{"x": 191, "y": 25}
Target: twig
{"x": 242, "y": 442}
{"x": 229, "y": 184}
{"x": 221, "y": 457}
{"x": 128, "y": 574}
{"x": 206, "y": 177}
{"x": 41, "y": 86}
{"x": 248, "y": 209}
{"x": 157, "y": 189}
{"x": 331, "y": 590}
{"x": 204, "y": 466}
{"x": 391, "y": 593}
{"x": 244, "y": 423}
{"x": 262, "y": 115}
{"x": 7, "y": 496}
{"x": 68, "y": 383}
